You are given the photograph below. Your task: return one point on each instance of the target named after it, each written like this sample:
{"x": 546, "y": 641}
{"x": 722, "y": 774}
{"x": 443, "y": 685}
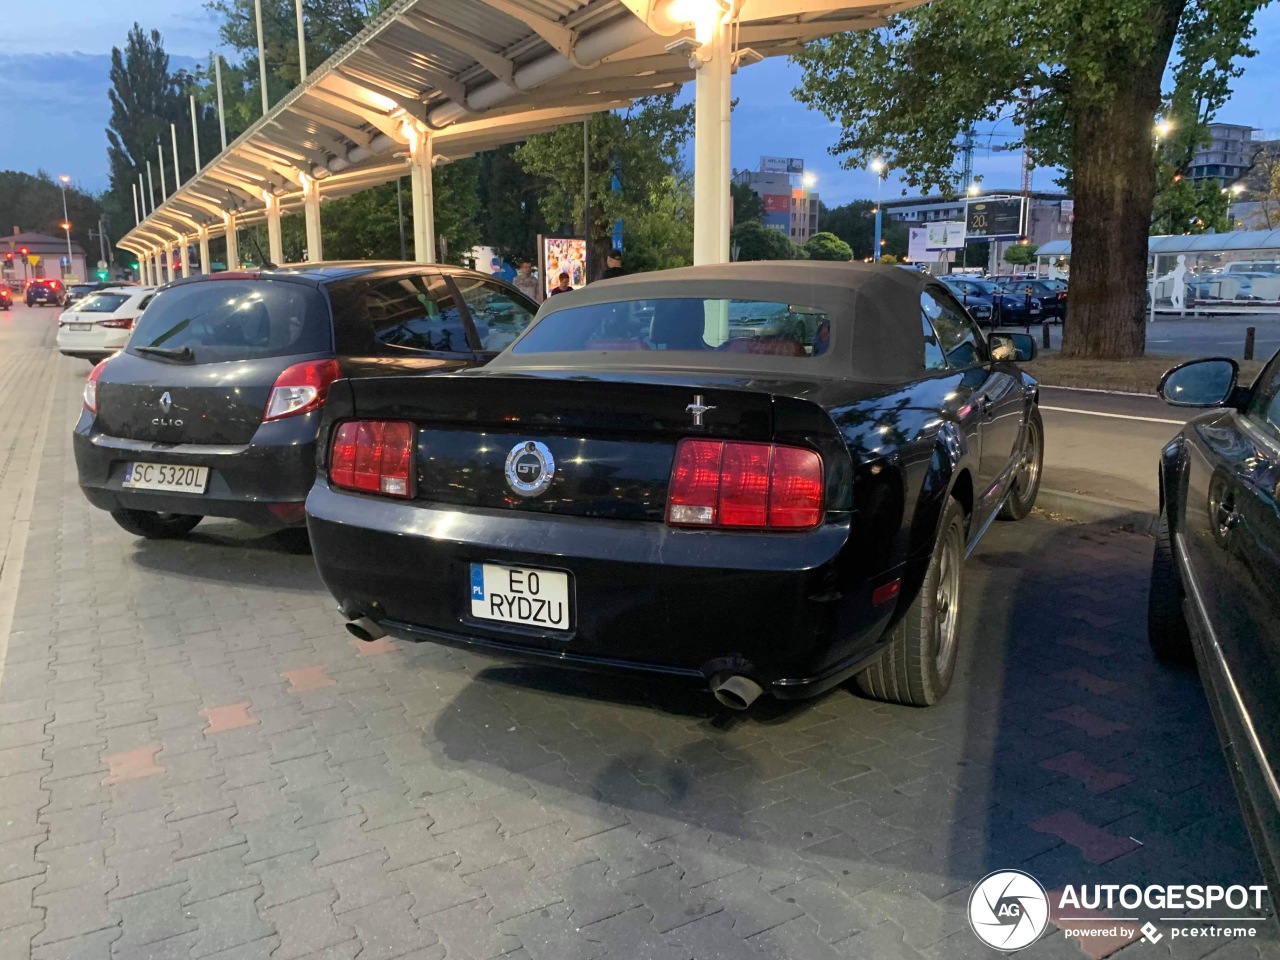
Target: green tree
{"x": 145, "y": 98}
{"x": 1020, "y": 254}
{"x": 747, "y": 204}
{"x": 510, "y": 214}
{"x": 827, "y": 246}
{"x": 755, "y": 241}
{"x": 1083, "y": 80}
{"x": 33, "y": 202}
{"x": 855, "y": 224}
{"x": 660, "y": 234}
{"x": 642, "y": 145}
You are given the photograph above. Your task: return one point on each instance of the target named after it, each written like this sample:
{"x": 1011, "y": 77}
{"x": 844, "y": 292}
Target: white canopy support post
{"x": 144, "y": 275}
{"x": 422, "y": 154}
{"x": 311, "y": 206}
{"x": 262, "y": 57}
{"x": 183, "y": 258}
{"x": 205, "y": 266}
{"x": 151, "y": 188}
{"x": 302, "y": 44}
{"x": 711, "y": 125}
{"x": 170, "y": 256}
{"x": 164, "y": 189}
{"x": 233, "y": 242}
{"x": 157, "y": 268}
{"x": 137, "y": 217}
{"x": 217, "y": 80}
{"x": 195, "y": 133}
{"x": 724, "y": 170}
{"x": 177, "y": 172}
{"x": 275, "y": 245}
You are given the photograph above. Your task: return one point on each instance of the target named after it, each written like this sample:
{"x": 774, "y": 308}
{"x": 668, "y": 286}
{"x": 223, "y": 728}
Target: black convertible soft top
{"x": 875, "y": 308}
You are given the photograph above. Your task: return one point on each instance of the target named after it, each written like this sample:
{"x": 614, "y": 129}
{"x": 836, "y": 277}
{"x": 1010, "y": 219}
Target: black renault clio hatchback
{"x": 213, "y": 406}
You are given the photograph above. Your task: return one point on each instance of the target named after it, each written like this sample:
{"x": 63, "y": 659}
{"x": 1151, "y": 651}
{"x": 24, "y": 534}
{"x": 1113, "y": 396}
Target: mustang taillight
{"x": 727, "y": 484}
{"x": 301, "y": 388}
{"x": 91, "y": 387}
{"x": 373, "y": 456}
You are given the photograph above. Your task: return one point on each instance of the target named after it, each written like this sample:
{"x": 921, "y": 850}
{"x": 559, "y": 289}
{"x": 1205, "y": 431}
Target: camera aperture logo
{"x": 1008, "y": 910}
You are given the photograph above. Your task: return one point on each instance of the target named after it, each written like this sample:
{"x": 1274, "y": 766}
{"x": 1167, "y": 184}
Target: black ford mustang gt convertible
{"x": 640, "y": 484}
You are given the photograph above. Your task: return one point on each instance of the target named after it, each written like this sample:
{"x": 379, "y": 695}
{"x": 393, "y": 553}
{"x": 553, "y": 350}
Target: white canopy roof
{"x": 476, "y": 74}
{"x": 1188, "y": 243}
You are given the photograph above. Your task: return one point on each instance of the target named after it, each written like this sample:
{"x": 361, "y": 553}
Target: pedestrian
{"x": 563, "y": 287}
{"x": 527, "y": 283}
{"x": 613, "y": 266}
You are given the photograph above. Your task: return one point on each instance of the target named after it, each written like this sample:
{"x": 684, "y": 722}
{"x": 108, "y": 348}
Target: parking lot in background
{"x": 196, "y": 760}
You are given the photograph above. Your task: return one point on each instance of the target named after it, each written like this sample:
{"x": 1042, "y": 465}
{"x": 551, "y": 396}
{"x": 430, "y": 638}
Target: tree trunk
{"x": 1113, "y": 170}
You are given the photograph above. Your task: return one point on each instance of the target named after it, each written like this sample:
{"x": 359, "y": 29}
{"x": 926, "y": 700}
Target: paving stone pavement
{"x": 197, "y": 761}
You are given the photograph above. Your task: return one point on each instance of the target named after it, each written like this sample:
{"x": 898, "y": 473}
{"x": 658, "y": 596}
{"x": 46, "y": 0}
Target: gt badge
{"x": 530, "y": 468}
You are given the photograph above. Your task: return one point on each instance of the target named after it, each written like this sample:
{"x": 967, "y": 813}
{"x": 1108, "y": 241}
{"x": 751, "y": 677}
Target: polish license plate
{"x": 165, "y": 476}
{"x": 80, "y": 327}
{"x": 532, "y": 598}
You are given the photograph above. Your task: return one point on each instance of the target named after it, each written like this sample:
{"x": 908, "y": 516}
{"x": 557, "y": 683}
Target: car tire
{"x": 1167, "y": 630}
{"x": 155, "y": 526}
{"x": 917, "y": 667}
{"x": 1026, "y": 481}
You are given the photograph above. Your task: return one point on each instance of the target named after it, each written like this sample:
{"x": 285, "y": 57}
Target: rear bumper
{"x": 263, "y": 482}
{"x": 96, "y": 344}
{"x": 646, "y": 599}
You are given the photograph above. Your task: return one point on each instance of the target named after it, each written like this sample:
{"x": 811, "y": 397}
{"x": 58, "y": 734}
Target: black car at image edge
{"x": 1215, "y": 573}
{"x": 647, "y": 482}
{"x": 213, "y": 406}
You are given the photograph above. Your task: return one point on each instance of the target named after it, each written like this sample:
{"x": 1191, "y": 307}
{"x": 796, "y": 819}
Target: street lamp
{"x": 66, "y": 224}
{"x": 878, "y": 167}
{"x": 809, "y": 180}
{"x": 973, "y": 189}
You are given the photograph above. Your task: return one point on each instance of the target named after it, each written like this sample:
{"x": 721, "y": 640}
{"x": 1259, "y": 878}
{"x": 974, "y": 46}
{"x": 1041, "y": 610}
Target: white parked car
{"x": 98, "y": 325}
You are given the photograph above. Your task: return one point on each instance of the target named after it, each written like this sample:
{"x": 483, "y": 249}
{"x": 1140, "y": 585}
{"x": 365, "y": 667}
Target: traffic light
{"x": 9, "y": 255}
{"x": 23, "y": 251}
{"x": 103, "y": 275}
{"x": 134, "y": 265}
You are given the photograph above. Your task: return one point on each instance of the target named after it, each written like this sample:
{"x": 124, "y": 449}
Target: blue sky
{"x": 58, "y": 65}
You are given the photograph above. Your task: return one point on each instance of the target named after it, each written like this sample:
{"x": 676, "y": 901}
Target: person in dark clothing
{"x": 613, "y": 266}
{"x": 563, "y": 286}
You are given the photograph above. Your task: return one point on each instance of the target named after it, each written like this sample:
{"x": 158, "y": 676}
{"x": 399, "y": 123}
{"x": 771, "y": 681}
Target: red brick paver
{"x": 230, "y": 717}
{"x": 371, "y": 648}
{"x": 1094, "y": 843}
{"x": 132, "y": 765}
{"x": 308, "y": 678}
{"x": 1103, "y": 935}
{"x": 1077, "y": 766}
{"x": 1095, "y": 726}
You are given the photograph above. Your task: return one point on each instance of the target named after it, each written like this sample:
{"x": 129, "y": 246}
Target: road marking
{"x": 1112, "y": 416}
{"x": 1113, "y": 393}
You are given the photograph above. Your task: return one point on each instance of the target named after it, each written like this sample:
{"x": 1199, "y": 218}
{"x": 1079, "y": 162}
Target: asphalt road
{"x": 1216, "y": 337}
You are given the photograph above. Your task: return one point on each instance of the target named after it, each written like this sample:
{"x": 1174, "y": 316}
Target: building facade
{"x": 789, "y": 207}
{"x": 44, "y": 257}
{"x": 1228, "y": 156}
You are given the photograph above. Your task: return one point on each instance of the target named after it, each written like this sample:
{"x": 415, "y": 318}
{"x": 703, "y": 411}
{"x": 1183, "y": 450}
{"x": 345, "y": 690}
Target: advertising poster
{"x": 563, "y": 255}
{"x": 777, "y": 203}
{"x": 918, "y": 244}
{"x": 994, "y": 219}
{"x": 945, "y": 235}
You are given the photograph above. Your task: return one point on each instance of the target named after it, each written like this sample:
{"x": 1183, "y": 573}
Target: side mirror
{"x": 1020, "y": 347}
{"x": 1200, "y": 383}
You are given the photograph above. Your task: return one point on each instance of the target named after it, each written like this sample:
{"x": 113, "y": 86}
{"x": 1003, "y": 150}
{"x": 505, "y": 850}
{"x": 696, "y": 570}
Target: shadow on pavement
{"x": 234, "y": 553}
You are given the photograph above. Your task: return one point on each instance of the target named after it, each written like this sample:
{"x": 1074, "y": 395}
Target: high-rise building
{"x": 790, "y": 207}
{"x": 1228, "y": 156}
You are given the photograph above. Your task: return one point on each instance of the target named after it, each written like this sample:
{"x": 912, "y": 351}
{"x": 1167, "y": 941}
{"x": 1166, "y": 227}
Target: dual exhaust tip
{"x": 732, "y": 690}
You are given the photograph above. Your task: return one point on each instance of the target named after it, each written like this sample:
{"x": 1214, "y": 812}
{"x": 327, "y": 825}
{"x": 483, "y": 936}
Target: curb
{"x": 1086, "y": 509}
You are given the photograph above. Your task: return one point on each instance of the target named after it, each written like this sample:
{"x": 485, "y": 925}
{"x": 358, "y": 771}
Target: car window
{"x": 683, "y": 324}
{"x": 499, "y": 314}
{"x": 412, "y": 313}
{"x": 934, "y": 359}
{"x": 101, "y": 303}
{"x": 961, "y": 341}
{"x": 142, "y": 304}
{"x": 221, "y": 320}
{"x": 1264, "y": 407}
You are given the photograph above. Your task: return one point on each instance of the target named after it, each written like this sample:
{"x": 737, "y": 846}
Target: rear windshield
{"x": 685, "y": 325}
{"x": 102, "y": 303}
{"x": 236, "y": 320}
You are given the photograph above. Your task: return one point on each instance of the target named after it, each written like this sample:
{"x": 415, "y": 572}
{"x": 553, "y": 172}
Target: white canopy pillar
{"x": 170, "y": 252}
{"x": 185, "y": 260}
{"x": 422, "y": 156}
{"x": 144, "y": 270}
{"x": 275, "y": 245}
{"x": 157, "y": 267}
{"x": 311, "y": 207}
{"x": 711, "y": 138}
{"x": 233, "y": 242}
{"x": 204, "y": 251}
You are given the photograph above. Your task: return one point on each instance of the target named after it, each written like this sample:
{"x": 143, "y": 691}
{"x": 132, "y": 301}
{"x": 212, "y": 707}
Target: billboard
{"x": 781, "y": 165}
{"x": 945, "y": 235}
{"x": 994, "y": 219}
{"x": 558, "y": 255}
{"x": 777, "y": 202}
{"x": 918, "y": 244}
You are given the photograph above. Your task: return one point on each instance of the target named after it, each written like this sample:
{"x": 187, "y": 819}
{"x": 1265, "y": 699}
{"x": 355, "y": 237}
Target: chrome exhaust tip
{"x": 362, "y": 628}
{"x": 735, "y": 691}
